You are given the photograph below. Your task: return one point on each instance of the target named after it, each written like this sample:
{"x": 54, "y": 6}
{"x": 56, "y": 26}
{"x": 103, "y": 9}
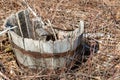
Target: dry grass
{"x": 99, "y": 16}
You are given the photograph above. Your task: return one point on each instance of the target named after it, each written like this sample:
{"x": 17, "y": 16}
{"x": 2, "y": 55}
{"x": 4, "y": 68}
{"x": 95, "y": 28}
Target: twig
{"x": 53, "y": 18}
{"x": 39, "y": 76}
{"x": 56, "y": 10}
{"x": 107, "y": 70}
{"x": 111, "y": 67}
{"x": 52, "y": 29}
{"x": 39, "y": 18}
{"x": 109, "y": 10}
{"x": 30, "y": 8}
{"x": 64, "y": 74}
{"x": 7, "y": 30}
{"x": 86, "y": 75}
{"x": 4, "y": 76}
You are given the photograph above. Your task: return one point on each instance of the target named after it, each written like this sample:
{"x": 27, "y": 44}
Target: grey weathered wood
{"x": 17, "y": 39}
{"x": 42, "y": 32}
{"x": 81, "y": 26}
{"x": 50, "y": 63}
{"x": 22, "y": 24}
{"x": 12, "y": 21}
{"x": 28, "y": 24}
{"x": 93, "y": 35}
{"x": 69, "y": 43}
{"x": 57, "y": 46}
{"x": 36, "y": 25}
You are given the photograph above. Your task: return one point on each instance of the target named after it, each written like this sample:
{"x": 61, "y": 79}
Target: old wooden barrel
{"x": 35, "y": 52}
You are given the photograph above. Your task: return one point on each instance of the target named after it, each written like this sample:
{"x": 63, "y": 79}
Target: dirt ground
{"x": 99, "y": 16}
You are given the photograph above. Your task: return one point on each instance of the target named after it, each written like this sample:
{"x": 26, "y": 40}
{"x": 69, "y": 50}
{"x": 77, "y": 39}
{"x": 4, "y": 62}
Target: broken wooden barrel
{"x": 38, "y": 53}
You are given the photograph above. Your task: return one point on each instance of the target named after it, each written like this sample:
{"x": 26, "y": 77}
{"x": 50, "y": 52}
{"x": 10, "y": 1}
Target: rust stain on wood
{"x": 43, "y": 55}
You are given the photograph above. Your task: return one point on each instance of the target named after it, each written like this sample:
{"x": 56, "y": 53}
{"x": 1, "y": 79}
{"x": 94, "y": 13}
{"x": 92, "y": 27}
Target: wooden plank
{"x": 50, "y": 63}
{"x": 61, "y": 46}
{"x": 24, "y": 59}
{"x": 30, "y": 45}
{"x": 46, "y": 46}
{"x": 16, "y": 30}
{"x": 36, "y": 25}
{"x": 12, "y": 21}
{"x": 17, "y": 39}
{"x": 28, "y": 24}
{"x": 22, "y": 24}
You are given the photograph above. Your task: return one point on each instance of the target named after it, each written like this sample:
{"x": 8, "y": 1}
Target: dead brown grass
{"x": 99, "y": 16}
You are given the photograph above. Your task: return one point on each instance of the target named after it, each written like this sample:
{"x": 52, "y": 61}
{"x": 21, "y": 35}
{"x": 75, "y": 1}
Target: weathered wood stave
{"x": 31, "y": 52}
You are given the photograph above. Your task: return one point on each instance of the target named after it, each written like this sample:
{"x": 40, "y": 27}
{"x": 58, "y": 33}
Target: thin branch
{"x": 38, "y": 76}
{"x": 2, "y": 32}
{"x": 52, "y": 29}
{"x": 39, "y": 18}
{"x": 64, "y": 74}
{"x": 109, "y": 10}
{"x": 54, "y": 14}
{"x": 4, "y": 76}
